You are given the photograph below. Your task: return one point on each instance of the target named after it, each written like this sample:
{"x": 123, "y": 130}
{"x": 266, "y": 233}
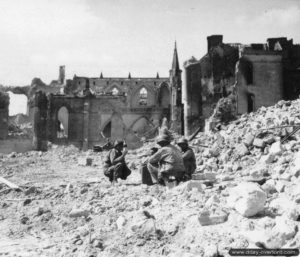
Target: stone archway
{"x": 63, "y": 122}
{"x": 141, "y": 126}
{"x": 114, "y": 127}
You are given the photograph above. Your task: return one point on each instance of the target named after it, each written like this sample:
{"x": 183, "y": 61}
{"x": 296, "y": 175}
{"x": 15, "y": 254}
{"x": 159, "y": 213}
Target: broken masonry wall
{"x": 266, "y": 87}
{"x": 217, "y": 73}
{"x": 191, "y": 97}
{"x": 4, "y": 103}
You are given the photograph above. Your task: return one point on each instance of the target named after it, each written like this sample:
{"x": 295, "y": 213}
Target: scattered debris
{"x": 247, "y": 179}
{"x": 8, "y": 183}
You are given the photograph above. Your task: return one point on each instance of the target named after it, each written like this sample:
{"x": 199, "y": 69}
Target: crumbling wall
{"x": 191, "y": 96}
{"x": 211, "y": 78}
{"x": 4, "y": 103}
{"x": 16, "y": 90}
{"x": 38, "y": 85}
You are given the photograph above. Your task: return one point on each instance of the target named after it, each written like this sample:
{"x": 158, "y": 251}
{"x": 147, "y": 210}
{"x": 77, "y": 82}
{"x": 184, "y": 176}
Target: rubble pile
{"x": 245, "y": 194}
{"x": 225, "y": 110}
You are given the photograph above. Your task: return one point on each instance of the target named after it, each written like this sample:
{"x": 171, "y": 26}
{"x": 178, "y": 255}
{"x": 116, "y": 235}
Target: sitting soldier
{"x": 167, "y": 162}
{"x": 188, "y": 156}
{"x": 114, "y": 165}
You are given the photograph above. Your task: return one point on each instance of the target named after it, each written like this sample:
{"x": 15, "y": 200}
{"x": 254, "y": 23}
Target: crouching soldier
{"x": 115, "y": 166}
{"x": 166, "y": 163}
{"x": 188, "y": 156}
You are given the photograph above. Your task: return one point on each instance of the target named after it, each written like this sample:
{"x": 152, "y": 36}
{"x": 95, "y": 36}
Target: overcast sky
{"x": 118, "y": 36}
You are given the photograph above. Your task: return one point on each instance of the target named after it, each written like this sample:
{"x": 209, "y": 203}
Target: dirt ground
{"x": 36, "y": 221}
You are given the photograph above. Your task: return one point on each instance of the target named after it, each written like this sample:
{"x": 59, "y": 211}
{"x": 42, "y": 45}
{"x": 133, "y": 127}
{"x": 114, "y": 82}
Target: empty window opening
{"x": 143, "y": 96}
{"x": 247, "y": 71}
{"x": 107, "y": 130}
{"x": 250, "y": 102}
{"x": 115, "y": 91}
{"x": 62, "y": 122}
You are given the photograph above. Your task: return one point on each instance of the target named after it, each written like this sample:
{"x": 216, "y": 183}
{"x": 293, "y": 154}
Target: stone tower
{"x": 176, "y": 102}
{"x": 61, "y": 76}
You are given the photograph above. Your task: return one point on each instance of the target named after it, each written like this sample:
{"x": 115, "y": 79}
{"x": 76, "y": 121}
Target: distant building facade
{"x": 91, "y": 110}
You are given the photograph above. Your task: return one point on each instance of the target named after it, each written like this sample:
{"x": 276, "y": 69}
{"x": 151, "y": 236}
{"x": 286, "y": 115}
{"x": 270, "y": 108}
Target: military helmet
{"x": 118, "y": 142}
{"x": 182, "y": 141}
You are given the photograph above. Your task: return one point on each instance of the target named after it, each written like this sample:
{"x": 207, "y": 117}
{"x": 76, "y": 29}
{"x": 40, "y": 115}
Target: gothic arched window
{"x": 143, "y": 96}
{"x": 115, "y": 91}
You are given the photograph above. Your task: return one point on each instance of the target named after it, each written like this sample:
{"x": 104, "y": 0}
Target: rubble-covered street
{"x": 246, "y": 195}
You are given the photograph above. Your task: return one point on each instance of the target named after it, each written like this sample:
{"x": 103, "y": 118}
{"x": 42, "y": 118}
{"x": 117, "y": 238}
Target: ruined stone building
{"x": 90, "y": 110}
{"x": 206, "y": 80}
{"x": 267, "y": 73}
{"x": 255, "y": 75}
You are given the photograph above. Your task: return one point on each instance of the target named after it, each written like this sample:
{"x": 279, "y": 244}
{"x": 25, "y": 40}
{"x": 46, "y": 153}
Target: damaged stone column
{"x": 4, "y": 103}
{"x": 86, "y": 115}
{"x": 40, "y": 103}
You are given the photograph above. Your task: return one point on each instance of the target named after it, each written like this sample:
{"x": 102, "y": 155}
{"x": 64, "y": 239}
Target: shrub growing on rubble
{"x": 4, "y": 100}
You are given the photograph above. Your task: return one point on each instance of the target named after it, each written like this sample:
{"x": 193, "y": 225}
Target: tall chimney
{"x": 214, "y": 40}
{"x": 61, "y": 76}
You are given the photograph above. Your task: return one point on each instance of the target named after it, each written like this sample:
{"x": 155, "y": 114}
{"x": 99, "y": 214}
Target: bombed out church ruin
{"x": 85, "y": 111}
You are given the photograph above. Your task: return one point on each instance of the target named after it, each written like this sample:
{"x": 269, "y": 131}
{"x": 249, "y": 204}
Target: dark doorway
{"x": 250, "y": 101}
